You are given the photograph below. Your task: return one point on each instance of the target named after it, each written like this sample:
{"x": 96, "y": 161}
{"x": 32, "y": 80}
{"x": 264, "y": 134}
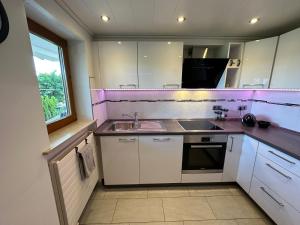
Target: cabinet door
{"x": 257, "y": 63}
{"x": 160, "y": 64}
{"x": 286, "y": 73}
{"x": 120, "y": 160}
{"x": 232, "y": 158}
{"x": 247, "y": 161}
{"x": 160, "y": 159}
{"x": 118, "y": 64}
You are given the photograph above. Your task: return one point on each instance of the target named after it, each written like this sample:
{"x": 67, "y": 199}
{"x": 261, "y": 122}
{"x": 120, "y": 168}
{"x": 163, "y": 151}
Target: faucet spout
{"x": 135, "y": 117}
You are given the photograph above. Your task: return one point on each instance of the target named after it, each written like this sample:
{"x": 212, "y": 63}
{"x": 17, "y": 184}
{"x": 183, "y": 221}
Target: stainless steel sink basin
{"x": 122, "y": 126}
{"x": 129, "y": 126}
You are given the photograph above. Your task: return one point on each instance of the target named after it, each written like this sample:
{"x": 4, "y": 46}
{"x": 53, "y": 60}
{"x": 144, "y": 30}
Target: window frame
{"x": 43, "y": 32}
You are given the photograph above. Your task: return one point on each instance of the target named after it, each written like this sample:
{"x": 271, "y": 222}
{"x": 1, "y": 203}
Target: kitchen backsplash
{"x": 280, "y": 107}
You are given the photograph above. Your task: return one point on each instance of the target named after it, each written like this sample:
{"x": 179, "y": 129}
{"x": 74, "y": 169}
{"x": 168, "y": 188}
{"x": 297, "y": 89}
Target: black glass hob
{"x": 198, "y": 125}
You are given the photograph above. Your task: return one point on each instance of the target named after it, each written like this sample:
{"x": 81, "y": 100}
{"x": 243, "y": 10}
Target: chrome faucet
{"x": 135, "y": 117}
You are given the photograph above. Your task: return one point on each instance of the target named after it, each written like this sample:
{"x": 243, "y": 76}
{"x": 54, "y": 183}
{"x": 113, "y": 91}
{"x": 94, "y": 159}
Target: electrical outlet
{"x": 242, "y": 107}
{"x": 217, "y": 107}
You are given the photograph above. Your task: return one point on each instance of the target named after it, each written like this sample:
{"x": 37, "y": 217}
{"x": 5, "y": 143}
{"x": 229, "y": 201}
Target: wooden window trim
{"x": 43, "y": 32}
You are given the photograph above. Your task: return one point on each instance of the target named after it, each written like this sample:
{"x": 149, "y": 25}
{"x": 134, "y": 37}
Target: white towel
{"x": 86, "y": 161}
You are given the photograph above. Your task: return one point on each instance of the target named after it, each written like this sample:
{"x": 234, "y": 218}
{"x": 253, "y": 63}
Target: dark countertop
{"x": 282, "y": 139}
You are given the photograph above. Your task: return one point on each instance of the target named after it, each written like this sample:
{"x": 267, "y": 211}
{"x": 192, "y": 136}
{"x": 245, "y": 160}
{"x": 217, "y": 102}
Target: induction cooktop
{"x": 198, "y": 125}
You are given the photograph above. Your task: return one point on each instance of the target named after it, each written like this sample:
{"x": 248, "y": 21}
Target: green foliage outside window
{"x": 52, "y": 93}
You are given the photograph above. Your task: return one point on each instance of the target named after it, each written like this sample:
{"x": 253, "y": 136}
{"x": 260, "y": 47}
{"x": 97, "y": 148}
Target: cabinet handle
{"x": 127, "y": 139}
{"x": 127, "y": 85}
{"x": 232, "y": 139}
{"x": 171, "y": 85}
{"x": 253, "y": 85}
{"x": 161, "y": 139}
{"x": 281, "y": 173}
{"x": 206, "y": 146}
{"x": 238, "y": 62}
{"x": 279, "y": 156}
{"x": 273, "y": 198}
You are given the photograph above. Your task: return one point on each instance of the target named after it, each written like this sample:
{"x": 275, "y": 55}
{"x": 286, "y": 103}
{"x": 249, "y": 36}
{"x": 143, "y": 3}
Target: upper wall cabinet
{"x": 258, "y": 63}
{"x": 286, "y": 73}
{"x": 160, "y": 64}
{"x": 138, "y": 65}
{"x": 116, "y": 64}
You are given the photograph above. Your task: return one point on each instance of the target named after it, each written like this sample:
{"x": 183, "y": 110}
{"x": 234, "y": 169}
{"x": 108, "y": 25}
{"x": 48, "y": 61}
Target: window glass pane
{"x": 50, "y": 71}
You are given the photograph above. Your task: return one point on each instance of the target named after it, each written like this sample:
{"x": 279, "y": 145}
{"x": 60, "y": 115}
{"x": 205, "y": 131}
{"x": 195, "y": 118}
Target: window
{"x": 51, "y": 63}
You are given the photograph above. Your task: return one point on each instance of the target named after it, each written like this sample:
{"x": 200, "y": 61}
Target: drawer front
{"x": 284, "y": 183}
{"x": 287, "y": 162}
{"x": 279, "y": 210}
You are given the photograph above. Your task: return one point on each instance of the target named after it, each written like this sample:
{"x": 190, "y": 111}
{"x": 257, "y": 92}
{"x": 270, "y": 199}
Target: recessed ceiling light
{"x": 119, "y": 42}
{"x": 105, "y": 18}
{"x": 257, "y": 40}
{"x": 169, "y": 42}
{"x": 145, "y": 56}
{"x": 254, "y": 20}
{"x": 181, "y": 19}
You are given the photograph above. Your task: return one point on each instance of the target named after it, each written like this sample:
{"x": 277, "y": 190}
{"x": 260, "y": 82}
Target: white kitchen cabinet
{"x": 160, "y": 64}
{"x": 247, "y": 161}
{"x": 257, "y": 63}
{"x": 120, "y": 158}
{"x": 160, "y": 159}
{"x": 286, "y": 72}
{"x": 275, "y": 206}
{"x": 232, "y": 158}
{"x": 116, "y": 64}
{"x": 283, "y": 182}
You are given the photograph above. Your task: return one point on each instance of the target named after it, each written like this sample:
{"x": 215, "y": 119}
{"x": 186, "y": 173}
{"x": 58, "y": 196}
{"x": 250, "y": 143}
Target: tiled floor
{"x": 193, "y": 205}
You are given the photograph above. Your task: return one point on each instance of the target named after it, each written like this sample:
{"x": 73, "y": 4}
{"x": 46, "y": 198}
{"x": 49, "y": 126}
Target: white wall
{"x": 279, "y": 114}
{"x": 26, "y": 192}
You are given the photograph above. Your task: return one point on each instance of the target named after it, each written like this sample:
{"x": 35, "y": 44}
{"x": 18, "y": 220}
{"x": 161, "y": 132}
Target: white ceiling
{"x": 206, "y": 18}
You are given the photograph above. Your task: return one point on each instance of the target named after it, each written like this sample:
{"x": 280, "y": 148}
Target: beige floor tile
{"x": 187, "y": 208}
{"x": 233, "y": 207}
{"x": 98, "y": 211}
{"x": 211, "y": 222}
{"x": 235, "y": 190}
{"x": 254, "y": 222}
{"x": 138, "y": 210}
{"x": 117, "y": 194}
{"x": 206, "y": 190}
{"x": 159, "y": 223}
{"x": 168, "y": 192}
{"x": 104, "y": 224}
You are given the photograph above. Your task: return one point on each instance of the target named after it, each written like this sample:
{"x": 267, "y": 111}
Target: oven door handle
{"x": 206, "y": 146}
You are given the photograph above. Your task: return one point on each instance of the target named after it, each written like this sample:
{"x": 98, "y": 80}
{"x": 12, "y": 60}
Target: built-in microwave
{"x": 204, "y": 153}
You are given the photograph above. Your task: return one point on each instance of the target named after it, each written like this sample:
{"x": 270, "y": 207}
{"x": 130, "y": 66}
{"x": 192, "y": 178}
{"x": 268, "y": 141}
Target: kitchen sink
{"x": 143, "y": 126}
{"x": 122, "y": 126}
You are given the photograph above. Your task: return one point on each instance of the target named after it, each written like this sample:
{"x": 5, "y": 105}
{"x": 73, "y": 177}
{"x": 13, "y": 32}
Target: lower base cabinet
{"x": 120, "y": 159}
{"x": 278, "y": 209}
{"x": 160, "y": 159}
{"x": 247, "y": 161}
{"x": 232, "y": 158}
{"x": 141, "y": 159}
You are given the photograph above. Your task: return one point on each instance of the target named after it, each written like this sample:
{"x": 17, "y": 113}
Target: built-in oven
{"x": 204, "y": 153}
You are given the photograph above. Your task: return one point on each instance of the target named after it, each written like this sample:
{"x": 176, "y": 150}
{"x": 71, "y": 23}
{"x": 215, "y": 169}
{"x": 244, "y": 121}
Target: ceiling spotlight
{"x": 119, "y": 42}
{"x": 105, "y": 18}
{"x": 254, "y": 20}
{"x": 181, "y": 19}
{"x": 169, "y": 42}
